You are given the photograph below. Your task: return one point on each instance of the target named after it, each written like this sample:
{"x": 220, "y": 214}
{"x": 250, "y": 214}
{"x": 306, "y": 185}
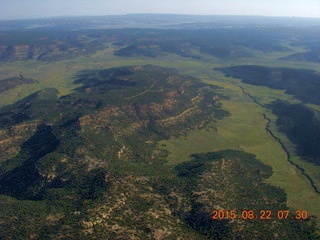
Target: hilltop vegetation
{"x": 186, "y": 43}
{"x": 233, "y": 180}
{"x": 309, "y": 40}
{"x": 303, "y": 84}
{"x": 302, "y": 127}
{"x": 86, "y": 142}
{"x": 106, "y": 144}
{"x": 92, "y": 163}
{"x": 9, "y": 83}
{"x": 45, "y": 45}
{"x": 309, "y": 56}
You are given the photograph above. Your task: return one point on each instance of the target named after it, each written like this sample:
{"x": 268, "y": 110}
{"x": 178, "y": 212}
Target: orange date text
{"x": 259, "y": 214}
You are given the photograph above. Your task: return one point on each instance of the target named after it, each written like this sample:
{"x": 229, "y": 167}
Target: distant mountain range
{"x": 153, "y": 20}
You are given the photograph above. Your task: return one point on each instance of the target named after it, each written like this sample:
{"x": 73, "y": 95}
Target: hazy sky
{"x": 11, "y": 9}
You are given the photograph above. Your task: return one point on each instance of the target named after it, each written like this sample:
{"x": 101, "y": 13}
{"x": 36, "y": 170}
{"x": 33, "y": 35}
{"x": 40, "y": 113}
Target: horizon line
{"x": 146, "y": 13}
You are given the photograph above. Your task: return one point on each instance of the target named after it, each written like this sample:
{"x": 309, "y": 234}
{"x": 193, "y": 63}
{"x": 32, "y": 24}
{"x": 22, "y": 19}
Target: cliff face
{"x": 38, "y": 52}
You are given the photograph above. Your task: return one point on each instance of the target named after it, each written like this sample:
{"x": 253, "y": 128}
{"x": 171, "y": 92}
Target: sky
{"x": 19, "y": 9}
